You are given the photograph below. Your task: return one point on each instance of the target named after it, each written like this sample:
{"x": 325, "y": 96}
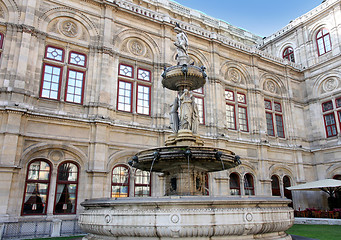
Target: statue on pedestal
{"x": 181, "y": 45}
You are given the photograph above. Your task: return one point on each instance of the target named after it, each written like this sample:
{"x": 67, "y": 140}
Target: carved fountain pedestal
{"x": 188, "y": 210}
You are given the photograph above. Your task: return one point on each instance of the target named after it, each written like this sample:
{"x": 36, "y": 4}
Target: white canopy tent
{"x": 329, "y": 186}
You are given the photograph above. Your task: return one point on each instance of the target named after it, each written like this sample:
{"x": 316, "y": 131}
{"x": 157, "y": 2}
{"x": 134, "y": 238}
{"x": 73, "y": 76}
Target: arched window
{"x": 234, "y": 184}
{"x": 248, "y": 184}
{"x": 142, "y": 183}
{"x": 323, "y": 41}
{"x": 66, "y": 190}
{"x": 275, "y": 186}
{"x": 288, "y": 54}
{"x": 287, "y": 193}
{"x": 36, "y": 187}
{"x": 120, "y": 181}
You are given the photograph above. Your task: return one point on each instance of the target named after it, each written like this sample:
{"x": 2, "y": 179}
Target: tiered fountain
{"x": 186, "y": 211}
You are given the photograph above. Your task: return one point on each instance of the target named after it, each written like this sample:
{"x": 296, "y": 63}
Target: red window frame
{"x": 150, "y": 75}
{"x": 67, "y": 86}
{"x": 28, "y": 181}
{"x": 120, "y": 184}
{"x": 63, "y": 53}
{"x": 79, "y": 53}
{"x": 331, "y": 126}
{"x": 279, "y": 126}
{"x": 288, "y": 53}
{"x": 143, "y": 185}
{"x": 241, "y": 119}
{"x": 270, "y": 123}
{"x": 43, "y": 80}
{"x": 131, "y": 95}
{"x": 323, "y": 38}
{"x": 324, "y": 109}
{"x": 237, "y": 181}
{"x": 59, "y": 181}
{"x": 132, "y": 70}
{"x": 275, "y": 188}
{"x": 137, "y": 98}
{"x": 234, "y": 116}
{"x": 251, "y": 187}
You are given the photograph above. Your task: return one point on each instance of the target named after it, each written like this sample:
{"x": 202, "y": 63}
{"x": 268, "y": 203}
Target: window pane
{"x": 279, "y": 126}
{"x": 143, "y": 99}
{"x": 124, "y": 96}
{"x": 277, "y": 107}
{"x": 66, "y": 198}
{"x": 234, "y": 184}
{"x": 77, "y": 59}
{"x": 67, "y": 172}
{"x": 248, "y": 184}
{"x": 267, "y": 104}
{"x": 143, "y": 75}
{"x": 120, "y": 182}
{"x": 327, "y": 106}
{"x": 241, "y": 98}
{"x": 327, "y": 43}
{"x": 142, "y": 183}
{"x": 275, "y": 186}
{"x": 126, "y": 70}
{"x": 269, "y": 124}
{"x": 229, "y": 95}
{"x": 338, "y": 102}
{"x": 54, "y": 53}
{"x": 230, "y": 116}
{"x": 74, "y": 87}
{"x": 242, "y": 118}
{"x": 50, "y": 82}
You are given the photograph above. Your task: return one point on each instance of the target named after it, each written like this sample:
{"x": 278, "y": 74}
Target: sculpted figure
{"x": 182, "y": 42}
{"x": 174, "y": 116}
{"x": 186, "y": 110}
{"x": 195, "y": 117}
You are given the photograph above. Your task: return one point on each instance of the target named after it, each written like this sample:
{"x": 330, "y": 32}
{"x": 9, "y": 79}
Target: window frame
{"x": 120, "y": 184}
{"x": 331, "y": 112}
{"x": 66, "y": 183}
{"x": 141, "y": 184}
{"x": 275, "y": 125}
{"x": 43, "y": 80}
{"x": 59, "y": 48}
{"x": 67, "y": 85}
{"x": 2, "y": 36}
{"x": 238, "y": 188}
{"x": 48, "y": 182}
{"x": 322, "y": 37}
{"x": 275, "y": 191}
{"x": 290, "y": 56}
{"x": 237, "y": 104}
{"x": 73, "y": 64}
{"x": 149, "y": 97}
{"x": 137, "y": 75}
{"x": 131, "y": 95}
{"x": 251, "y": 187}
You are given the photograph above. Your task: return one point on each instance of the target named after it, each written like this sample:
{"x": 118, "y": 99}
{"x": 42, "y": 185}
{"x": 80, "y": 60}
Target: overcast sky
{"x": 261, "y": 17}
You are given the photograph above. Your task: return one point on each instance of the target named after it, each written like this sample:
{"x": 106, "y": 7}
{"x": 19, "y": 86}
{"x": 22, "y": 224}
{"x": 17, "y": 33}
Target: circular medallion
{"x": 56, "y": 155}
{"x": 136, "y": 48}
{"x": 233, "y": 75}
{"x": 330, "y": 84}
{"x": 108, "y": 218}
{"x": 69, "y": 28}
{"x": 270, "y": 86}
{"x": 248, "y": 217}
{"x": 175, "y": 218}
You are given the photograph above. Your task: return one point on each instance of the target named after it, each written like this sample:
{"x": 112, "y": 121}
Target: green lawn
{"x": 321, "y": 232}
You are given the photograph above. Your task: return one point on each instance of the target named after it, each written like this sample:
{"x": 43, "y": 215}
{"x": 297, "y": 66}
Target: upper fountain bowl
{"x": 184, "y": 76}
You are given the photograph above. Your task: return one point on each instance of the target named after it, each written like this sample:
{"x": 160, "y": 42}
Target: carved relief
{"x": 2, "y": 14}
{"x": 136, "y": 47}
{"x": 234, "y": 75}
{"x": 68, "y": 28}
{"x": 56, "y": 155}
{"x": 330, "y": 84}
{"x": 271, "y": 86}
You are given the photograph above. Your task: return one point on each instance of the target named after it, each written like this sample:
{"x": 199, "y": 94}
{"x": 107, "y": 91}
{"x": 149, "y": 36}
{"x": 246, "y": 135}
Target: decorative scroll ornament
{"x": 233, "y": 75}
{"x": 69, "y": 28}
{"x": 270, "y": 86}
{"x": 330, "y": 84}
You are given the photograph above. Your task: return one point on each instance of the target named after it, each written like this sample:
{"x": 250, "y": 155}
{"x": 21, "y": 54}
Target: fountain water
{"x": 185, "y": 212}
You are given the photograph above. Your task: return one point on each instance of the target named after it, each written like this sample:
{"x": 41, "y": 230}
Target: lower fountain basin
{"x": 187, "y": 217}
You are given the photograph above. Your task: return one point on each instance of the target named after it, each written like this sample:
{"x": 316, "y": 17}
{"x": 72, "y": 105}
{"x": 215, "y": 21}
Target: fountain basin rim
{"x": 196, "y": 200}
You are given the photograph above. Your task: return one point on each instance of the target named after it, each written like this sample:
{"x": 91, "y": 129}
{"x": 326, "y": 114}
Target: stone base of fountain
{"x": 187, "y": 217}
{"x": 184, "y": 138}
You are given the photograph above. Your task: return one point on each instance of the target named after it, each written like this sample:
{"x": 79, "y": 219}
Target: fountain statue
{"x": 187, "y": 209}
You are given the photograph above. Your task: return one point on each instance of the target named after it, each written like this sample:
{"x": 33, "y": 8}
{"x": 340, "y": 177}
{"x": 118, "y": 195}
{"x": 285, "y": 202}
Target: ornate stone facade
{"x": 81, "y": 121}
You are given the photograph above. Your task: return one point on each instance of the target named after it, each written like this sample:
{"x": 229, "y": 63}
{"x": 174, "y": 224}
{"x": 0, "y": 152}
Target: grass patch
{"x": 55, "y": 238}
{"x": 321, "y": 232}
